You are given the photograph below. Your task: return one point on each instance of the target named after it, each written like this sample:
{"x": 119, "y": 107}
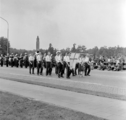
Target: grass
{"x": 13, "y": 107}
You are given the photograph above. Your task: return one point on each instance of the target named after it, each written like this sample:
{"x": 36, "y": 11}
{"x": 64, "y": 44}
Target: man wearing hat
{"x": 31, "y": 63}
{"x": 35, "y": 61}
{"x": 39, "y": 61}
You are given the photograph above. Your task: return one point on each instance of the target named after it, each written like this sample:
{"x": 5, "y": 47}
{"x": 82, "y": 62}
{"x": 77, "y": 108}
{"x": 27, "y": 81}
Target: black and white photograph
{"x": 62, "y": 59}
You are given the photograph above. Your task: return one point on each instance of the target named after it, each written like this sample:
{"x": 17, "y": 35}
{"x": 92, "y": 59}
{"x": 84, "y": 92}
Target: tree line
{"x": 96, "y": 52}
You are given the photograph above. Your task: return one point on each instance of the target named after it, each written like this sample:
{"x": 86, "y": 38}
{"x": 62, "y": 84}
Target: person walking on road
{"x": 87, "y": 66}
{"x": 39, "y": 63}
{"x": 48, "y": 64}
{"x": 31, "y": 63}
{"x": 7, "y": 60}
{"x": 1, "y": 60}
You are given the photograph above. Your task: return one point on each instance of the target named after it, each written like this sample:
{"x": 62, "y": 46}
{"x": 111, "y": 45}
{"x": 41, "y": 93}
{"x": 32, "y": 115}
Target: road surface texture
{"x": 102, "y": 107}
{"x": 109, "y": 84}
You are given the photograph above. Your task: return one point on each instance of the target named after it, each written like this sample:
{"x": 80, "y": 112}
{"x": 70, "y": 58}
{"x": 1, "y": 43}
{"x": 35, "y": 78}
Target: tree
{"x": 95, "y": 51}
{"x": 50, "y": 49}
{"x": 67, "y": 49}
{"x": 81, "y": 48}
{"x": 73, "y": 48}
{"x": 3, "y": 43}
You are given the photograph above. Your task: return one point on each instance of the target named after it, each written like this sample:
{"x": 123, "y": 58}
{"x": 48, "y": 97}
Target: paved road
{"x": 108, "y": 78}
{"x": 108, "y": 82}
{"x": 98, "y": 106}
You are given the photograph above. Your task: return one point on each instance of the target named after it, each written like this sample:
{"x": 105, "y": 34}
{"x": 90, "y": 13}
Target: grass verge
{"x": 13, "y": 107}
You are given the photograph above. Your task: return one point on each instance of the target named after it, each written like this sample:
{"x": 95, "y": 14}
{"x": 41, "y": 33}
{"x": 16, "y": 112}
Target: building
{"x": 37, "y": 43}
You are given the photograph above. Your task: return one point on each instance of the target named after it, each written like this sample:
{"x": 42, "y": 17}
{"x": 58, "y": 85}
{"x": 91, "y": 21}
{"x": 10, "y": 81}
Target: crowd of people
{"x": 62, "y": 65}
{"x": 112, "y": 63}
{"x": 39, "y": 61}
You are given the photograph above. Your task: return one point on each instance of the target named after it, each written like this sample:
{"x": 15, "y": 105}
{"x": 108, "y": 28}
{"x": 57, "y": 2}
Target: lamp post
{"x": 7, "y": 33}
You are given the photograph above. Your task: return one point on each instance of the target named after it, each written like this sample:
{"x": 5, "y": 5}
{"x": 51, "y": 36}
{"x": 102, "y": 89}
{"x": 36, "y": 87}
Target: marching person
{"x": 117, "y": 66}
{"x": 51, "y": 64}
{"x": 44, "y": 60}
{"x": 11, "y": 60}
{"x": 39, "y": 63}
{"x": 7, "y": 60}
{"x": 31, "y": 63}
{"x": 65, "y": 61}
{"x": 56, "y": 60}
{"x": 16, "y": 60}
{"x": 80, "y": 64}
{"x": 68, "y": 69}
{"x": 77, "y": 67}
{"x": 25, "y": 59}
{"x": 87, "y": 66}
{"x": 21, "y": 60}
{"x": 35, "y": 59}
{"x": 48, "y": 64}
{"x": 1, "y": 60}
{"x": 60, "y": 65}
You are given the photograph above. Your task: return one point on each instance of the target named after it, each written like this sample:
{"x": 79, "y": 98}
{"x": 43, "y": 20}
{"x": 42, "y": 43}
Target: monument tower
{"x": 37, "y": 43}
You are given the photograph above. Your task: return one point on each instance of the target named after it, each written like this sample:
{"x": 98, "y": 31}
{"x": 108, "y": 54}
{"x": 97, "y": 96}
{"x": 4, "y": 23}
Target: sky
{"x": 64, "y": 22}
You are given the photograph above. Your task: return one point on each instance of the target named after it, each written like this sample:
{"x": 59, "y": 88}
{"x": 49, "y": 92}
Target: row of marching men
{"x": 62, "y": 64}
{"x": 39, "y": 61}
{"x": 14, "y": 60}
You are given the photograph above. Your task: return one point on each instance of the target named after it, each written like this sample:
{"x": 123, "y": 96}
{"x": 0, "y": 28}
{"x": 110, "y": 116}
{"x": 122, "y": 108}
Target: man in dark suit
{"x": 1, "y": 60}
{"x": 21, "y": 60}
{"x": 26, "y": 63}
{"x": 7, "y": 60}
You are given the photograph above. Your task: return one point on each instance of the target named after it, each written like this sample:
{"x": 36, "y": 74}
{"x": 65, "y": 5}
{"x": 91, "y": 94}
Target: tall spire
{"x": 37, "y": 43}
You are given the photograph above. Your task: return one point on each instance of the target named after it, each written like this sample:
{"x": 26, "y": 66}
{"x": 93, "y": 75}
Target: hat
{"x": 37, "y": 51}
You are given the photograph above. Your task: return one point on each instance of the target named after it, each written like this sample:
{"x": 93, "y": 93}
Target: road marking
{"x": 61, "y": 79}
